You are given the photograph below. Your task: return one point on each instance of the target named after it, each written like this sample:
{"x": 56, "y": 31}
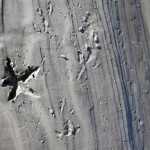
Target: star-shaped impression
{"x": 18, "y": 80}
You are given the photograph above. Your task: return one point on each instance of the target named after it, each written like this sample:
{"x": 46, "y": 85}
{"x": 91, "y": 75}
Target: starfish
{"x": 18, "y": 80}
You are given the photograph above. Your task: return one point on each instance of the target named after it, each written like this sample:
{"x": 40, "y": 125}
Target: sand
{"x": 78, "y": 76}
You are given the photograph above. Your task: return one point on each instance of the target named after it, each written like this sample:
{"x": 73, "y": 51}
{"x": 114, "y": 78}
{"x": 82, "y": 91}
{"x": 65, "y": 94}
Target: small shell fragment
{"x": 81, "y": 29}
{"x": 97, "y": 45}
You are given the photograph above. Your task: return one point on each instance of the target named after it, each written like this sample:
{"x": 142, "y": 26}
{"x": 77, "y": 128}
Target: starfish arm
{"x": 12, "y": 94}
{"x": 26, "y": 89}
{"x": 32, "y": 93}
{"x": 6, "y": 81}
{"x": 25, "y": 75}
{"x": 9, "y": 67}
{"x": 32, "y": 75}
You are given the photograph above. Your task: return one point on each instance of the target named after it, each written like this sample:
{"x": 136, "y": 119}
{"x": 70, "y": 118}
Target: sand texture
{"x": 74, "y": 75}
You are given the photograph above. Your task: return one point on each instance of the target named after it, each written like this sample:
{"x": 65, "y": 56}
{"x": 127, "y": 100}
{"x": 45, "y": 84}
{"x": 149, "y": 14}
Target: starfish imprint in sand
{"x": 19, "y": 81}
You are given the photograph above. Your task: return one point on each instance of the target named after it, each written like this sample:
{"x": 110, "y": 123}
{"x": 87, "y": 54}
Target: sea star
{"x": 18, "y": 81}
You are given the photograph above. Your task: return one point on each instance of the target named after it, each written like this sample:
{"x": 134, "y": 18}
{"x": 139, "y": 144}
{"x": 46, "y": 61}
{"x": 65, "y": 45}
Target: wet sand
{"x": 74, "y": 75}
